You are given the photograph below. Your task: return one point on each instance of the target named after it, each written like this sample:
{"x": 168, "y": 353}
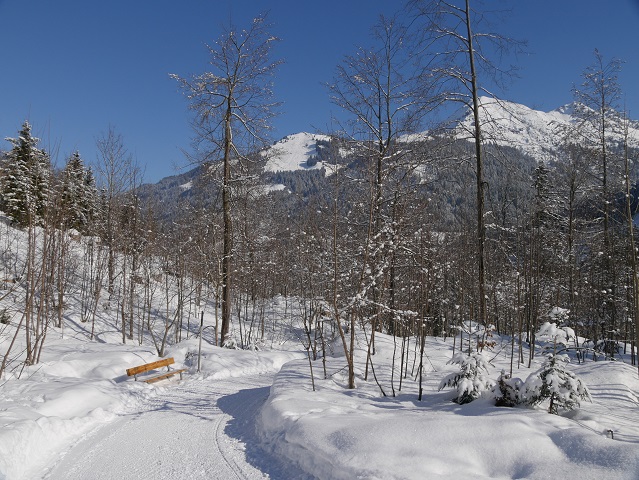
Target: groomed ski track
{"x": 192, "y": 429}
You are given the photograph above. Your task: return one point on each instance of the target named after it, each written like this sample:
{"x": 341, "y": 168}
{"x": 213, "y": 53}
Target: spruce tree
{"x": 553, "y": 381}
{"x": 25, "y": 179}
{"x": 78, "y": 194}
{"x": 471, "y": 380}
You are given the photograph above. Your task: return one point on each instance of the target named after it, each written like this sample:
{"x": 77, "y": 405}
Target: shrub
{"x": 508, "y": 391}
{"x": 555, "y": 383}
{"x": 470, "y": 381}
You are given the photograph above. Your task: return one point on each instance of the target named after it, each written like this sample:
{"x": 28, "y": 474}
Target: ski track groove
{"x": 232, "y": 464}
{"x": 195, "y": 389}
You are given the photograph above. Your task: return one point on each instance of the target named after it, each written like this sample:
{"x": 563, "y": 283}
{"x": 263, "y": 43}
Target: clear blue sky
{"x": 74, "y": 67}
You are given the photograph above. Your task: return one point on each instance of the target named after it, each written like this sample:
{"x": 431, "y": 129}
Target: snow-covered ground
{"x": 76, "y": 416}
{"x": 340, "y": 434}
{"x": 254, "y": 414}
{"x": 201, "y": 428}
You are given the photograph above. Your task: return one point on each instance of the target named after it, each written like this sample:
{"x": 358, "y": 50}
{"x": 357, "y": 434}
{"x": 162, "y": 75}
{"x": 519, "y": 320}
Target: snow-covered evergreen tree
{"x": 470, "y": 381}
{"x": 91, "y": 198}
{"x": 25, "y": 179}
{"x": 508, "y": 390}
{"x": 553, "y": 381}
{"x": 78, "y": 194}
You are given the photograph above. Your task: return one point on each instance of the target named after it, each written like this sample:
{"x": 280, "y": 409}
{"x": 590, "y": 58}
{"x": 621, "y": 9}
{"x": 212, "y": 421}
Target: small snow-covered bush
{"x": 559, "y": 336}
{"x": 554, "y": 382}
{"x": 231, "y": 342}
{"x": 470, "y": 381}
{"x": 255, "y": 346}
{"x": 508, "y": 391}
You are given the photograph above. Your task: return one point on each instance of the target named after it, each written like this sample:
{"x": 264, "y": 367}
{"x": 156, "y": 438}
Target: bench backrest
{"x": 165, "y": 362}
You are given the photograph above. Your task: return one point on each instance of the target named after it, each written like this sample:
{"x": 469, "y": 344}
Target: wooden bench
{"x": 165, "y": 362}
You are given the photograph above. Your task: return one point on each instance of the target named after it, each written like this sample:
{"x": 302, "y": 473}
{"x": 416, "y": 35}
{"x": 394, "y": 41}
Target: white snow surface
{"x": 292, "y": 153}
{"x": 76, "y": 415}
{"x": 186, "y": 186}
{"x": 253, "y": 414}
{"x": 537, "y": 133}
{"x": 360, "y": 434}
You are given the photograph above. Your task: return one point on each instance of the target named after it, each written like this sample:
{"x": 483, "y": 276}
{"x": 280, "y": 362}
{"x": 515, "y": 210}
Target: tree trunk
{"x": 226, "y": 207}
{"x": 481, "y": 229}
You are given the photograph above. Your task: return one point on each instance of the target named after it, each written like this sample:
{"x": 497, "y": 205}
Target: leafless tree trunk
{"x": 233, "y": 108}
{"x": 596, "y": 111}
{"x": 378, "y": 89}
{"x": 452, "y": 50}
{"x": 114, "y": 170}
{"x": 634, "y": 308}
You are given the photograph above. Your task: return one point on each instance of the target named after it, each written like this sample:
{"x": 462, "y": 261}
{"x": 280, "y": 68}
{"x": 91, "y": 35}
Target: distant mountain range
{"x": 536, "y": 133}
{"x": 296, "y": 162}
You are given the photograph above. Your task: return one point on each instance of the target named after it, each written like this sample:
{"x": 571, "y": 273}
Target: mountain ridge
{"x": 535, "y": 133}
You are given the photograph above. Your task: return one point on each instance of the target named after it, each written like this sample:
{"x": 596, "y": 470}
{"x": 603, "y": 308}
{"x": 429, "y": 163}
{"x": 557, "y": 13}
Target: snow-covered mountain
{"x": 295, "y": 152}
{"x": 536, "y": 133}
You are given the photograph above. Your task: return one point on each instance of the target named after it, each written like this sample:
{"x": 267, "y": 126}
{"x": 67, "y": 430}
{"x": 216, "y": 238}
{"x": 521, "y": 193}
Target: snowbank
{"x": 80, "y": 386}
{"x": 338, "y": 434}
{"x": 62, "y": 399}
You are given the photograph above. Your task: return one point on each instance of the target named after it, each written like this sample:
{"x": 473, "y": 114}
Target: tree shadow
{"x": 244, "y": 408}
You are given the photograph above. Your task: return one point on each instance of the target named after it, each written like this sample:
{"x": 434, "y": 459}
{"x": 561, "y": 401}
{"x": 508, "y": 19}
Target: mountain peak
{"x": 293, "y": 152}
{"x": 567, "y": 109}
{"x": 534, "y": 132}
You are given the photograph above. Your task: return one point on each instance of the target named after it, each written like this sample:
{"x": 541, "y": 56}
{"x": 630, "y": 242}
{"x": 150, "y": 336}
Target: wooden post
{"x": 199, "y": 350}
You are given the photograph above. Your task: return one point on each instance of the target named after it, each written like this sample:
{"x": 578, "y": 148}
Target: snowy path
{"x": 194, "y": 429}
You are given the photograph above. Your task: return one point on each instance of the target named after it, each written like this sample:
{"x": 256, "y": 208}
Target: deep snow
{"x": 77, "y": 415}
{"x": 201, "y": 428}
{"x": 339, "y": 434}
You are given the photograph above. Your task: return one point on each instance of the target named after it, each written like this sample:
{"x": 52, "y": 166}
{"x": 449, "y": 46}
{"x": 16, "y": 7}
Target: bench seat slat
{"x": 165, "y": 362}
{"x": 164, "y": 375}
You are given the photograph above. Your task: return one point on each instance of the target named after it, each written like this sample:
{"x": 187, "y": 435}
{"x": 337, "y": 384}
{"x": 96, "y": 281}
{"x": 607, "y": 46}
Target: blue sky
{"x": 74, "y": 67}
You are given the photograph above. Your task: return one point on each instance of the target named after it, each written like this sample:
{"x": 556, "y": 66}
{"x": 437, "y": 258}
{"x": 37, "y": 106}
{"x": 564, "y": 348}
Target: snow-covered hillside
{"x": 293, "y": 153}
{"x": 536, "y": 133}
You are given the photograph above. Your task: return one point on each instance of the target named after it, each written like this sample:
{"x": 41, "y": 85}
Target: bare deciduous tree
{"x": 454, "y": 54}
{"x": 233, "y": 106}
{"x": 378, "y": 89}
{"x": 597, "y": 111}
